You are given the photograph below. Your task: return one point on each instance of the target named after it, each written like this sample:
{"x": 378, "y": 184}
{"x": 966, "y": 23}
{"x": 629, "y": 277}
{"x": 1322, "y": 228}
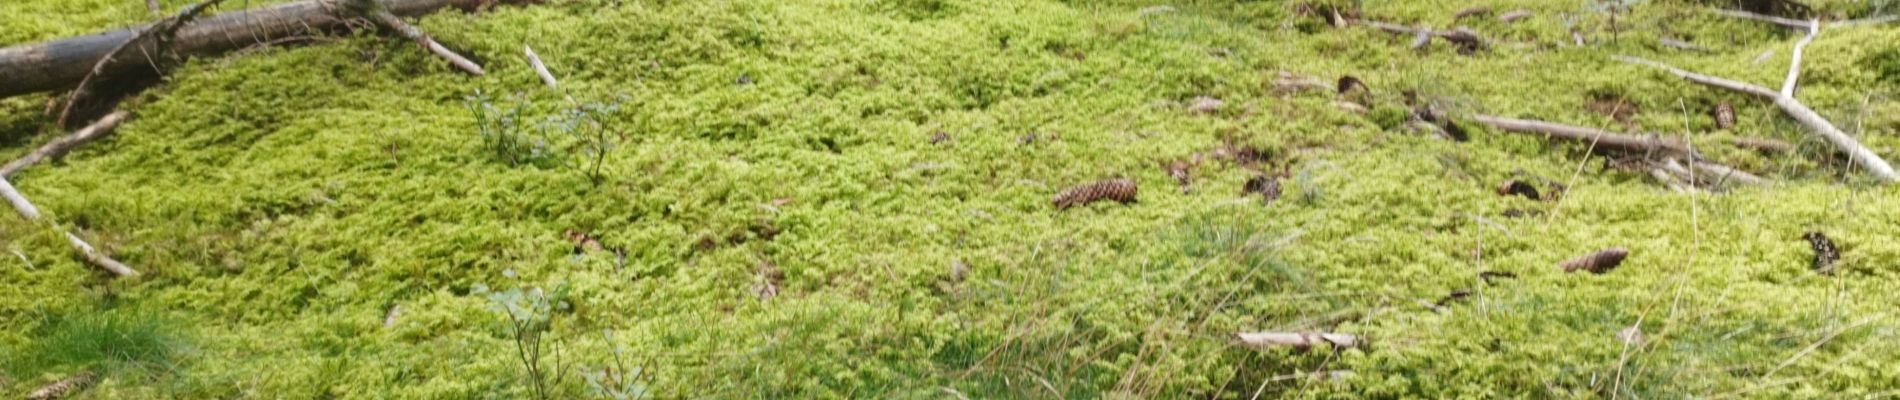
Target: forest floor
{"x": 852, "y": 198}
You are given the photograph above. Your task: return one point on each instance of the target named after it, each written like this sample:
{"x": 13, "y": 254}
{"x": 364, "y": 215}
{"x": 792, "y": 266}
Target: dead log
{"x": 59, "y": 147}
{"x": 63, "y": 63}
{"x": 1603, "y": 141}
{"x": 1295, "y": 340}
{"x": 99, "y": 93}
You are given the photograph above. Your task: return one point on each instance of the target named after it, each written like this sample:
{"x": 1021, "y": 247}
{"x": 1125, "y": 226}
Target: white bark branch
{"x": 541, "y": 69}
{"x": 92, "y": 255}
{"x": 59, "y": 147}
{"x": 1794, "y": 65}
{"x": 1296, "y": 340}
{"x": 1861, "y": 155}
{"x": 395, "y": 25}
{"x": 13, "y": 196}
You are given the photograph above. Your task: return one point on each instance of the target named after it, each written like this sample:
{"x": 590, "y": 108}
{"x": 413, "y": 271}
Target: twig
{"x": 1794, "y": 65}
{"x": 1295, "y": 340}
{"x": 1799, "y": 24}
{"x": 394, "y": 24}
{"x": 1681, "y": 45}
{"x": 1788, "y": 22}
{"x": 1468, "y": 40}
{"x": 1795, "y": 109}
{"x": 152, "y": 5}
{"x": 1724, "y": 173}
{"x": 540, "y": 69}
{"x": 1762, "y": 145}
{"x": 26, "y": 210}
{"x": 59, "y": 147}
{"x": 1603, "y": 140}
{"x": 100, "y": 259}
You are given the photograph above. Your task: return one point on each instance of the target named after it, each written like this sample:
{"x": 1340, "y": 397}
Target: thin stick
{"x": 1295, "y": 340}
{"x": 1794, "y": 65}
{"x": 26, "y": 210}
{"x": 1788, "y": 22}
{"x": 1861, "y": 155}
{"x": 100, "y": 259}
{"x": 541, "y": 69}
{"x": 152, "y": 5}
{"x": 393, "y": 23}
{"x": 1602, "y": 140}
{"x": 59, "y": 147}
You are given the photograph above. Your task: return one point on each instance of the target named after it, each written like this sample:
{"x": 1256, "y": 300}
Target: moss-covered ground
{"x": 281, "y": 201}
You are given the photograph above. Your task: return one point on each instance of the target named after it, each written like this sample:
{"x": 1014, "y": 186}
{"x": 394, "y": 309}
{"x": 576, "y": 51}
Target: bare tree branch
{"x": 395, "y": 25}
{"x": 1794, "y": 65}
{"x": 1604, "y": 140}
{"x": 541, "y": 69}
{"x": 59, "y": 147}
{"x": 1861, "y": 155}
{"x": 92, "y": 255}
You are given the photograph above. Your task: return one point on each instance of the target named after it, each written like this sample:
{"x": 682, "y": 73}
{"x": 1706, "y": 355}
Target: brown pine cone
{"x": 1122, "y": 190}
{"x": 1724, "y": 116}
{"x": 63, "y": 387}
{"x": 1598, "y": 262}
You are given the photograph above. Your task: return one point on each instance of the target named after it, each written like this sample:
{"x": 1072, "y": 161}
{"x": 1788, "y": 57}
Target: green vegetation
{"x": 281, "y": 200}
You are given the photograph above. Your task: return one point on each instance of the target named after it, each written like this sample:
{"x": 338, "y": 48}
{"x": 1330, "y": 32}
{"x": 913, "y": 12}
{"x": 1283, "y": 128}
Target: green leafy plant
{"x": 593, "y": 137}
{"x": 502, "y": 133}
{"x": 531, "y": 315}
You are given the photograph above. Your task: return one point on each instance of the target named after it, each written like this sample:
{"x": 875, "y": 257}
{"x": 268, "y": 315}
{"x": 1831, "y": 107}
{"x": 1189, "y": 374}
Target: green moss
{"x": 281, "y": 201}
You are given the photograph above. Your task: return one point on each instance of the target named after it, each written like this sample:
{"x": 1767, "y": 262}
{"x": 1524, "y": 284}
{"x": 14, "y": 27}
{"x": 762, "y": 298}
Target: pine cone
{"x": 1517, "y": 187}
{"x": 1268, "y": 186}
{"x": 1724, "y": 116}
{"x": 1122, "y": 190}
{"x": 63, "y": 387}
{"x": 1598, "y": 262}
{"x": 1825, "y": 254}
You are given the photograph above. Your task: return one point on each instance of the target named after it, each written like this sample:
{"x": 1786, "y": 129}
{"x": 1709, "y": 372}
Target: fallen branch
{"x": 1467, "y": 40}
{"x": 1604, "y": 141}
{"x": 62, "y": 63}
{"x": 26, "y": 210}
{"x": 1794, "y": 64}
{"x": 1296, "y": 340}
{"x": 1799, "y": 24}
{"x": 100, "y": 91}
{"x": 152, "y": 5}
{"x": 19, "y": 202}
{"x": 541, "y": 69}
{"x": 395, "y": 24}
{"x": 59, "y": 147}
{"x": 1762, "y": 145}
{"x": 1861, "y": 155}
